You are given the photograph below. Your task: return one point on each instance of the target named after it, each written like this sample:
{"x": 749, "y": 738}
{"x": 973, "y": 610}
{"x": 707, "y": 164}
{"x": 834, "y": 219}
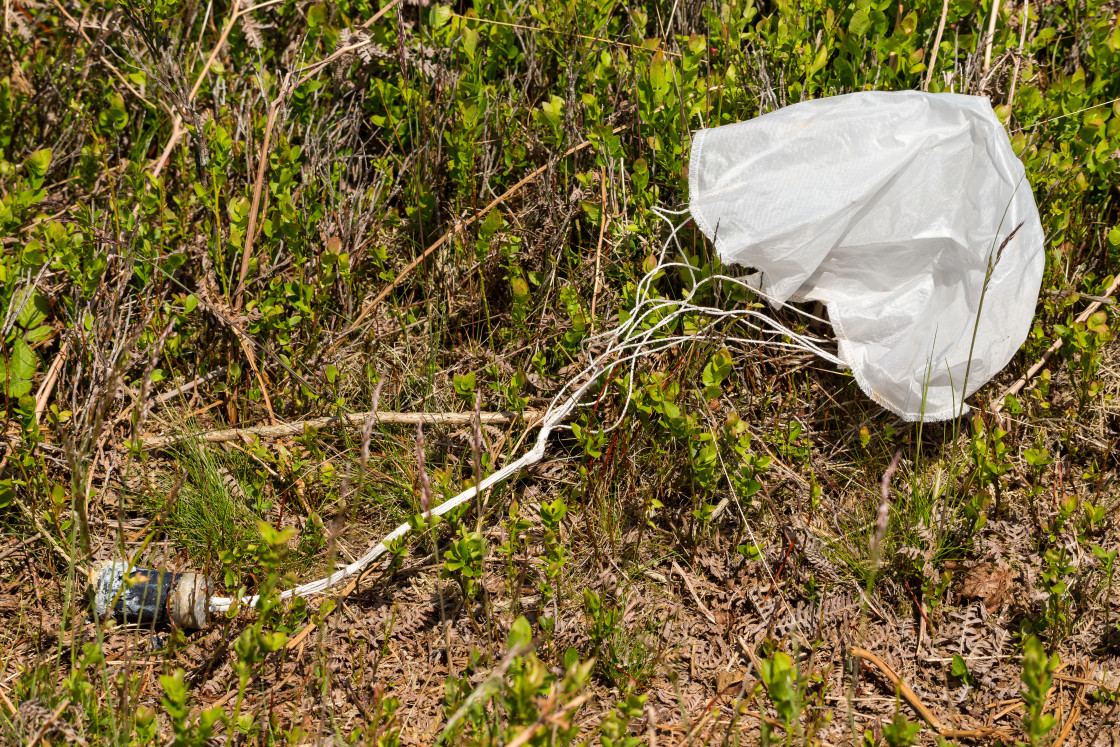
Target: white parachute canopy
{"x": 907, "y": 214}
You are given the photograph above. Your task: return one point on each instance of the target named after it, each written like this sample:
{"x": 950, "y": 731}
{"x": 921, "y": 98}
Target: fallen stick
{"x": 287, "y": 88}
{"x": 21, "y": 543}
{"x": 8, "y": 704}
{"x": 915, "y": 702}
{"x": 1074, "y": 714}
{"x": 599, "y": 246}
{"x": 177, "y": 127}
{"x": 369, "y": 307}
{"x": 351, "y": 420}
{"x": 695, "y": 597}
{"x": 187, "y": 387}
{"x": 43, "y": 396}
{"x": 936, "y": 45}
{"x": 991, "y": 35}
{"x": 1041, "y": 363}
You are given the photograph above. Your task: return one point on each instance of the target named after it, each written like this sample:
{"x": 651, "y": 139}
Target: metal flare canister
{"x": 150, "y": 596}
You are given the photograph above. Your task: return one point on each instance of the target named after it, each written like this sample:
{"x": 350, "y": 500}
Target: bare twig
{"x": 287, "y": 88}
{"x": 883, "y": 515}
{"x": 369, "y": 307}
{"x": 49, "y": 722}
{"x": 695, "y": 597}
{"x": 1074, "y": 714}
{"x": 916, "y": 703}
{"x": 234, "y": 17}
{"x": 8, "y": 704}
{"x": 936, "y": 45}
{"x": 346, "y": 591}
{"x": 352, "y": 420}
{"x": 599, "y": 246}
{"x": 1041, "y": 363}
{"x": 18, "y": 545}
{"x": 1019, "y": 57}
{"x": 189, "y": 385}
{"x": 177, "y": 127}
{"x": 43, "y": 396}
{"x": 991, "y": 35}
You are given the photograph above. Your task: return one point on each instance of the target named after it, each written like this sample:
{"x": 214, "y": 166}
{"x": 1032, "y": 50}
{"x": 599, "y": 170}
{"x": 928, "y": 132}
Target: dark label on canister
{"x": 143, "y": 599}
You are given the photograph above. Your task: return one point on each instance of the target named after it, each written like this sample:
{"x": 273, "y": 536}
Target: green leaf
{"x": 520, "y": 633}
{"x": 519, "y": 289}
{"x": 658, "y": 76}
{"x": 37, "y": 164}
{"x": 34, "y": 312}
{"x": 553, "y": 110}
{"x": 1098, "y": 323}
{"x": 440, "y": 15}
{"x": 18, "y": 371}
{"x": 464, "y": 384}
{"x": 490, "y": 225}
{"x": 717, "y": 369}
{"x": 860, "y": 23}
{"x": 317, "y": 15}
{"x": 820, "y": 60}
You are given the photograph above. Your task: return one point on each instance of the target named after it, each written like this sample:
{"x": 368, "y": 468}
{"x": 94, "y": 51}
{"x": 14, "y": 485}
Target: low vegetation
{"x": 222, "y": 214}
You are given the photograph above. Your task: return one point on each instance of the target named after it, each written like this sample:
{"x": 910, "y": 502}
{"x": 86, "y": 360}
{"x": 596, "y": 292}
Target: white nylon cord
{"x": 626, "y": 344}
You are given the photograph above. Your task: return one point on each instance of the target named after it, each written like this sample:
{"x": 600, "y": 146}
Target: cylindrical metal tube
{"x": 150, "y": 596}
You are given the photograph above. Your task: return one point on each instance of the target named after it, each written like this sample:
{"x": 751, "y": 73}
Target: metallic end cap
{"x": 189, "y": 605}
{"x": 106, "y": 579}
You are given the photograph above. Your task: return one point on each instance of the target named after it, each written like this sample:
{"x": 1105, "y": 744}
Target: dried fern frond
{"x": 251, "y": 27}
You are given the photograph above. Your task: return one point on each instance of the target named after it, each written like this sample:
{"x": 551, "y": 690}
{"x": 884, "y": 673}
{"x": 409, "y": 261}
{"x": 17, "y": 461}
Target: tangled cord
{"x": 630, "y": 341}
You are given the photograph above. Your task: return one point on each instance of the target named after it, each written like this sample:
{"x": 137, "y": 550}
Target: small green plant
{"x": 959, "y": 669}
{"x": 464, "y": 385}
{"x": 556, "y": 554}
{"x": 187, "y": 732}
{"x": 256, "y": 641}
{"x": 900, "y": 732}
{"x": 992, "y": 460}
{"x": 516, "y": 529}
{"x": 1037, "y": 678}
{"x": 1083, "y": 343}
{"x": 605, "y": 620}
{"x": 785, "y": 688}
{"x": 1108, "y": 560}
{"x": 515, "y": 700}
{"x": 463, "y": 562}
{"x": 1057, "y": 565}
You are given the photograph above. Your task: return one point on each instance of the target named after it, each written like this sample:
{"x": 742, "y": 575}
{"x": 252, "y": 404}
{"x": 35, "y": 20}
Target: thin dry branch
{"x": 599, "y": 247}
{"x": 287, "y": 88}
{"x": 369, "y": 307}
{"x": 991, "y": 35}
{"x": 917, "y": 704}
{"x": 936, "y": 45}
{"x": 1041, "y": 363}
{"x": 351, "y": 420}
{"x": 177, "y": 127}
{"x": 1075, "y": 713}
